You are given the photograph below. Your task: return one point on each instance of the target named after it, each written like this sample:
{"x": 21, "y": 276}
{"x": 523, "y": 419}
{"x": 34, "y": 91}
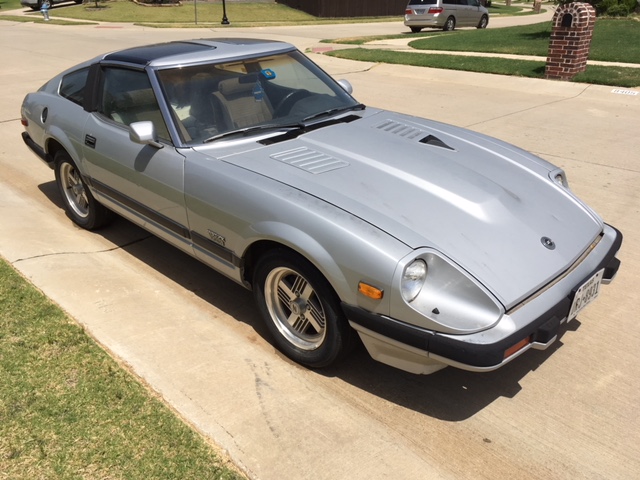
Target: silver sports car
{"x": 436, "y": 245}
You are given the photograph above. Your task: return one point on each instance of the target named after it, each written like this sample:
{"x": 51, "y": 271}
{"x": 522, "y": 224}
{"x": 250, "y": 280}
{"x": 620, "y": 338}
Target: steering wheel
{"x": 290, "y": 99}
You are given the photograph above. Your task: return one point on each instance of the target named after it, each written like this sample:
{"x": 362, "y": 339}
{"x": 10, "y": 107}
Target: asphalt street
{"x": 194, "y": 337}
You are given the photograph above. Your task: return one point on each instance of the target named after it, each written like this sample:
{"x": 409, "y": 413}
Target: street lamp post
{"x": 225, "y": 20}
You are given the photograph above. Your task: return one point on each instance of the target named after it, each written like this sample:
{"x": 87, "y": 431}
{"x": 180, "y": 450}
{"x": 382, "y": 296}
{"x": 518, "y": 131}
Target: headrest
{"x": 238, "y": 85}
{"x": 136, "y": 98}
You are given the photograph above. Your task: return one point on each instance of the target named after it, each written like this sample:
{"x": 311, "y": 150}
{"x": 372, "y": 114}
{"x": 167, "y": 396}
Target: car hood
{"x": 483, "y": 203}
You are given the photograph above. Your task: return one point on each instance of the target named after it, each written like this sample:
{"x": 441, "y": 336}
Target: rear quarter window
{"x": 72, "y": 86}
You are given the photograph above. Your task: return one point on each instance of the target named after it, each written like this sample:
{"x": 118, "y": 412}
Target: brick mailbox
{"x": 571, "y": 32}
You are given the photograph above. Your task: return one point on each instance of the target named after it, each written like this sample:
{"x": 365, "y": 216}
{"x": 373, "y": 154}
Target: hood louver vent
{"x": 401, "y": 129}
{"x": 410, "y": 133}
{"x": 309, "y": 160}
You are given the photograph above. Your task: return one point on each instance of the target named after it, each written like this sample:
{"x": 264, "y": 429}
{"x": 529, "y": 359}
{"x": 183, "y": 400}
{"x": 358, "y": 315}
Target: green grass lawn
{"x": 69, "y": 411}
{"x": 614, "y": 40}
{"x": 127, "y": 11}
{"x": 240, "y": 14}
{"x": 9, "y": 5}
{"x": 514, "y": 9}
{"x": 615, "y": 76}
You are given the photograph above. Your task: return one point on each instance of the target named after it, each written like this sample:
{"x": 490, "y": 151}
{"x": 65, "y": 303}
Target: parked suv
{"x": 36, "y": 4}
{"x": 445, "y": 14}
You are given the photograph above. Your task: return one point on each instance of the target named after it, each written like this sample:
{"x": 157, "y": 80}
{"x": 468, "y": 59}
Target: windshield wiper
{"x": 287, "y": 127}
{"x": 256, "y": 128}
{"x": 333, "y": 111}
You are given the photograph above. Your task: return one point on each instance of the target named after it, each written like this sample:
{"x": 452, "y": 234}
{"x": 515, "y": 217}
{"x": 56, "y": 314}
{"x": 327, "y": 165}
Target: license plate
{"x": 586, "y": 294}
{"x": 420, "y": 11}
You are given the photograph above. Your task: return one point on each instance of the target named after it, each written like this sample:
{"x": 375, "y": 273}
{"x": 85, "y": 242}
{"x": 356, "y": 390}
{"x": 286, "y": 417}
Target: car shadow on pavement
{"x": 450, "y": 394}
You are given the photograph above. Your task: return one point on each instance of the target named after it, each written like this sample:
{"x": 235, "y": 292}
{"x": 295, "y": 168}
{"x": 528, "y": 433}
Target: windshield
{"x": 210, "y": 100}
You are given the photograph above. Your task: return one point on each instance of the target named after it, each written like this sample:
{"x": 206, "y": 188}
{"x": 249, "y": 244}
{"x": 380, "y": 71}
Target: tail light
{"x": 24, "y": 121}
{"x": 436, "y": 9}
{"x": 408, "y": 11}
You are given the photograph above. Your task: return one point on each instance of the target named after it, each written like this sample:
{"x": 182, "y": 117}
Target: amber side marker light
{"x": 370, "y": 291}
{"x": 517, "y": 347}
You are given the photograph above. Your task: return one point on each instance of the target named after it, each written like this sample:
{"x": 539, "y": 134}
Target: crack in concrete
{"x": 530, "y": 108}
{"x": 117, "y": 247}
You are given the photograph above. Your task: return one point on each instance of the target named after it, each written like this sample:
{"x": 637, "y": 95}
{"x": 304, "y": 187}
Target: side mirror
{"x": 346, "y": 86}
{"x": 144, "y": 133}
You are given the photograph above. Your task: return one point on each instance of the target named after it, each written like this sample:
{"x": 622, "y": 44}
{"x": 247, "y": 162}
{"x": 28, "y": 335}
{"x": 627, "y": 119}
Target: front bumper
{"x": 532, "y": 324}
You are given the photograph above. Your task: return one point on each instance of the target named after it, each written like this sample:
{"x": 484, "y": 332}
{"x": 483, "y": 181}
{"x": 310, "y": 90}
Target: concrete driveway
{"x": 194, "y": 337}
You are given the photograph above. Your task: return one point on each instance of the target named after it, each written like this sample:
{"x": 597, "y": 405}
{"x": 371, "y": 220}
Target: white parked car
{"x": 445, "y": 14}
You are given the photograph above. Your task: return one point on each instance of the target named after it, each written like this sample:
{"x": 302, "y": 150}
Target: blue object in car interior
{"x": 268, "y": 74}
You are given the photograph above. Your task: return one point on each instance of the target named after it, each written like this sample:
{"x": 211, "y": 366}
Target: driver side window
{"x": 127, "y": 97}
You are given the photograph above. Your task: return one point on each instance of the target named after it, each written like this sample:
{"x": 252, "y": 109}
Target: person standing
{"x": 44, "y": 9}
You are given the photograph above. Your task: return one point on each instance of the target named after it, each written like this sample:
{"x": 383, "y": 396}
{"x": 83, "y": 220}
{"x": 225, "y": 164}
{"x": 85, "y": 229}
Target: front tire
{"x": 78, "y": 201}
{"x": 484, "y": 21}
{"x": 450, "y": 24}
{"x": 301, "y": 310}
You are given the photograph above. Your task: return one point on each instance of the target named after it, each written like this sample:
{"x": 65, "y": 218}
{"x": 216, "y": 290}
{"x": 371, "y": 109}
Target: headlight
{"x": 437, "y": 294}
{"x": 413, "y": 279}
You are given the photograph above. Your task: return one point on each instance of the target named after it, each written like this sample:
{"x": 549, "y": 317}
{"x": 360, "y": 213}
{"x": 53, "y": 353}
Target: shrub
{"x": 613, "y": 8}
{"x": 619, "y": 10}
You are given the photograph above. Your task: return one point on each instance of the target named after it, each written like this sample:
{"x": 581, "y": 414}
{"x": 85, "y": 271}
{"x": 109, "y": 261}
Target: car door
{"x": 463, "y": 14}
{"x": 474, "y": 13}
{"x": 145, "y": 183}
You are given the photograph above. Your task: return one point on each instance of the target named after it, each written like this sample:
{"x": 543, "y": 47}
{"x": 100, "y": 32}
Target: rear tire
{"x": 450, "y": 24}
{"x": 301, "y": 310}
{"x": 416, "y": 29}
{"x": 78, "y": 201}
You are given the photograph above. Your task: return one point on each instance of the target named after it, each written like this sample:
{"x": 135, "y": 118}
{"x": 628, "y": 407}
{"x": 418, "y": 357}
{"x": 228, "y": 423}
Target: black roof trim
{"x": 145, "y": 55}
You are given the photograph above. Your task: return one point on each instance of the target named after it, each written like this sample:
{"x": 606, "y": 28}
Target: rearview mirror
{"x": 144, "y": 133}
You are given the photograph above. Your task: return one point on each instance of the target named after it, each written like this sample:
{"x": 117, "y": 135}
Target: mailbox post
{"x": 571, "y": 32}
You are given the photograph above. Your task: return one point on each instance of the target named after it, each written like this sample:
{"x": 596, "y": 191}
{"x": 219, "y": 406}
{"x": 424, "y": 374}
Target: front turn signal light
{"x": 370, "y": 291}
{"x": 517, "y": 347}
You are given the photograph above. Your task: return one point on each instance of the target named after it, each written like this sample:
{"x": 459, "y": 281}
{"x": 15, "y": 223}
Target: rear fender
{"x": 56, "y": 139}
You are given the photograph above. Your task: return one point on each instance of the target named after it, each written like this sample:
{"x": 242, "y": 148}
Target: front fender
{"x": 305, "y": 245}
{"x": 344, "y": 256}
